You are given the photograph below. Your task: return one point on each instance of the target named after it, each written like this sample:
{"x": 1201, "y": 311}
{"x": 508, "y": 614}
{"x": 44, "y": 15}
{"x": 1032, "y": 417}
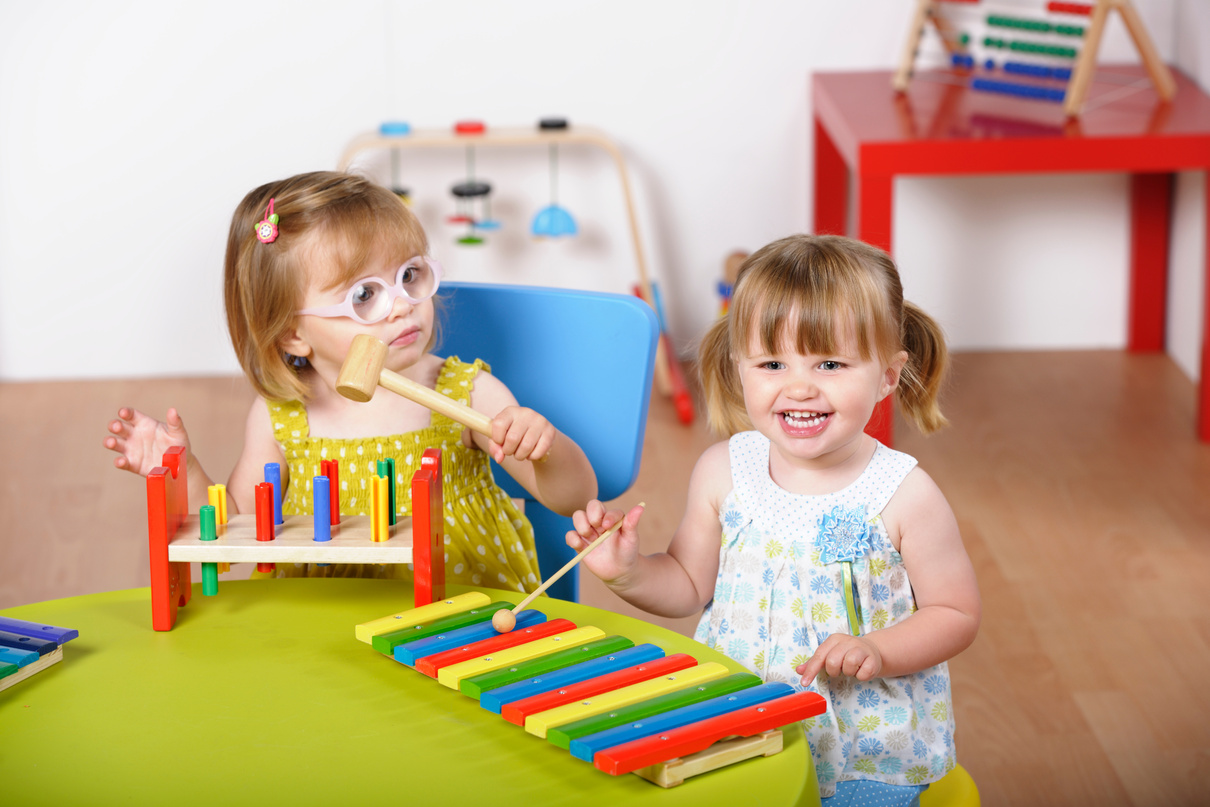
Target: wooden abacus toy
{"x": 1047, "y": 53}
{"x": 28, "y": 648}
{"x": 624, "y": 708}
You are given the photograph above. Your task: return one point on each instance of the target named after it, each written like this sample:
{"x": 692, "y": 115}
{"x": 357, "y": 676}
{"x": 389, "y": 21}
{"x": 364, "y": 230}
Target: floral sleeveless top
{"x": 786, "y": 563}
{"x": 488, "y": 542}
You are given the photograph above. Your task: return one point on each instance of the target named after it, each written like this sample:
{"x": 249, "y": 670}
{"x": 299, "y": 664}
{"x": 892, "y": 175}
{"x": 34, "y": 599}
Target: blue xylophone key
{"x": 19, "y": 657}
{"x": 586, "y": 748}
{"x": 19, "y": 642}
{"x": 494, "y": 699}
{"x": 410, "y": 652}
{"x": 24, "y": 628}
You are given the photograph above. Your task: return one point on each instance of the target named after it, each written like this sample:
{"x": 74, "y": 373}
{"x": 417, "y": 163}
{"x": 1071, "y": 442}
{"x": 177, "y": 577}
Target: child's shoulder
{"x": 712, "y": 473}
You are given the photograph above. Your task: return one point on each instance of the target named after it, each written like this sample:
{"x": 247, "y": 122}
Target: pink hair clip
{"x": 266, "y": 228}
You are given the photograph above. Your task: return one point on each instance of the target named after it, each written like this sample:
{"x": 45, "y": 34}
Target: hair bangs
{"x": 362, "y": 235}
{"x": 809, "y": 313}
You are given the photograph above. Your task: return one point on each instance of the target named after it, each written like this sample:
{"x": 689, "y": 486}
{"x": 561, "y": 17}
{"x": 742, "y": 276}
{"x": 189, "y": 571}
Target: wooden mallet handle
{"x": 363, "y": 371}
{"x": 506, "y": 620}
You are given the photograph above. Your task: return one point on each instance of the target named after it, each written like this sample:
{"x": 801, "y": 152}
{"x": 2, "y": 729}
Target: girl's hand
{"x": 841, "y": 654}
{"x": 520, "y": 433}
{"x": 141, "y": 441}
{"x": 614, "y": 558}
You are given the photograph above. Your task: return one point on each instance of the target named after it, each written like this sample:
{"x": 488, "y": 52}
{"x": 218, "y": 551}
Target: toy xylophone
{"x": 27, "y": 648}
{"x": 623, "y": 707}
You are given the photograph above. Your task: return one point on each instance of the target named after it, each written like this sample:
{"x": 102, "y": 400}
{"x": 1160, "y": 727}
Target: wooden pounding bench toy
{"x": 176, "y": 538}
{"x": 625, "y": 708}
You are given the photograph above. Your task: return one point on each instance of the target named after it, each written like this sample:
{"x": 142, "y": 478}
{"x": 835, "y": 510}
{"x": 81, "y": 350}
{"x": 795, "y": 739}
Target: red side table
{"x": 938, "y": 127}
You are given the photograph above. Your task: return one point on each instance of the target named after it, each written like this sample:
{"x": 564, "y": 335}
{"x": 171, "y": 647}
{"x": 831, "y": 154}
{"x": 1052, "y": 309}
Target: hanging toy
{"x": 467, "y": 192}
{"x": 396, "y": 129}
{"x": 553, "y": 221}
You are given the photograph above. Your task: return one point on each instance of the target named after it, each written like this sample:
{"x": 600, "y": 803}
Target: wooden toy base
{"x": 721, "y": 754}
{"x": 38, "y": 666}
{"x": 294, "y": 542}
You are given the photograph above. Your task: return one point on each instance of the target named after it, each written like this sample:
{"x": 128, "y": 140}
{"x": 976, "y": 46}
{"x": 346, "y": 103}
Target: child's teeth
{"x": 802, "y": 419}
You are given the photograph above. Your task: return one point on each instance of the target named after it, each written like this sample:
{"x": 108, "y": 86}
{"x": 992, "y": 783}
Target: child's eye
{"x": 773, "y": 365}
{"x": 363, "y": 294}
{"x": 830, "y": 365}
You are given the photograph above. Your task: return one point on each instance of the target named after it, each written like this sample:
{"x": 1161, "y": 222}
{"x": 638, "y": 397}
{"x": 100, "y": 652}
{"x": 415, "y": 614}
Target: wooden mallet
{"x": 506, "y": 620}
{"x": 363, "y": 372}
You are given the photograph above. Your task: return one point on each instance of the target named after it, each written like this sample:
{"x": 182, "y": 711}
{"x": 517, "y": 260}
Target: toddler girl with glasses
{"x": 312, "y": 261}
{"x": 822, "y": 557}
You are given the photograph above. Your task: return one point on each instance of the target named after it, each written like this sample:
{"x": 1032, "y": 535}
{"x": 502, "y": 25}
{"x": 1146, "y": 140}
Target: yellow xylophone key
{"x": 452, "y": 675}
{"x": 366, "y": 631}
{"x": 540, "y": 722}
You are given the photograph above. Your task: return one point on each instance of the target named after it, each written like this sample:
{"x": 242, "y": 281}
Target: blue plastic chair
{"x": 582, "y": 359}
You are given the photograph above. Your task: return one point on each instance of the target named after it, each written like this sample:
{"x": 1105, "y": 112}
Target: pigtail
{"x": 719, "y": 373}
{"x": 922, "y": 376}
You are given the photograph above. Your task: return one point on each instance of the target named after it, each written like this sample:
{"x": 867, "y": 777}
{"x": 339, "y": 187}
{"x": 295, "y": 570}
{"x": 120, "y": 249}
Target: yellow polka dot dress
{"x": 488, "y": 542}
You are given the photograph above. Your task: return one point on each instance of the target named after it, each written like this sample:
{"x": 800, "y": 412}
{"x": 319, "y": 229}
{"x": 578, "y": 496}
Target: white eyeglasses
{"x": 371, "y": 299}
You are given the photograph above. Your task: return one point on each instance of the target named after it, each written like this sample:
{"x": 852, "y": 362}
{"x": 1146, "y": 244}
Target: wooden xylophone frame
{"x": 628, "y": 708}
{"x": 28, "y": 648}
{"x": 174, "y": 538}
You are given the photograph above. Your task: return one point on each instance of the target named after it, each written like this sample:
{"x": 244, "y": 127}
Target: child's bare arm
{"x": 676, "y": 583}
{"x": 542, "y": 459}
{"x": 943, "y": 582}
{"x": 260, "y": 448}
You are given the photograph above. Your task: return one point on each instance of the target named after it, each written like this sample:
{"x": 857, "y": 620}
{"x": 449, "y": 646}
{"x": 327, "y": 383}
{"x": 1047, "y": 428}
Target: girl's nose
{"x": 801, "y": 386}
{"x": 400, "y": 307}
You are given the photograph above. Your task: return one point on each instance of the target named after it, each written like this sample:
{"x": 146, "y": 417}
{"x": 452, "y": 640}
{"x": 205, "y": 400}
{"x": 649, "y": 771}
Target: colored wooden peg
{"x": 208, "y": 532}
{"x": 380, "y": 497}
{"x": 209, "y": 579}
{"x": 386, "y": 468}
{"x": 321, "y": 498}
{"x": 273, "y": 477}
{"x": 265, "y": 526}
{"x": 331, "y": 469}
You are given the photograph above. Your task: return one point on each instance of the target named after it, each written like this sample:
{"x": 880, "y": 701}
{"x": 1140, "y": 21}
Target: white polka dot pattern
{"x": 479, "y": 515}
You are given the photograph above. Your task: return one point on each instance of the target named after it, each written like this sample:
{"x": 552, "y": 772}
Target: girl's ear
{"x": 890, "y": 378}
{"x": 295, "y": 345}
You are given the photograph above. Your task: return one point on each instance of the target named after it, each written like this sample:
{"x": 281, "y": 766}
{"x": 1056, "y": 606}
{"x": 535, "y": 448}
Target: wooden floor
{"x": 1082, "y": 495}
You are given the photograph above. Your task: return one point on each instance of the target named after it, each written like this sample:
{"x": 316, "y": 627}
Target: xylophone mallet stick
{"x": 504, "y": 621}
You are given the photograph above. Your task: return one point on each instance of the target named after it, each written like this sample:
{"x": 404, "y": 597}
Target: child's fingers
{"x": 809, "y": 670}
{"x": 596, "y": 513}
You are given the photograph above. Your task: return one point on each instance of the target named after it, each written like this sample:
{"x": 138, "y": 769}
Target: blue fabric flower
{"x": 844, "y": 535}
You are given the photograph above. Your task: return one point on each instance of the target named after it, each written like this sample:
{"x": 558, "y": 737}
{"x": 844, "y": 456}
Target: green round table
{"x": 262, "y": 695}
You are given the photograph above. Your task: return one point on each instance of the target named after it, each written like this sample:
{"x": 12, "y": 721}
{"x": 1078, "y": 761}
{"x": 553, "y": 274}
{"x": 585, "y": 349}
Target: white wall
{"x": 129, "y": 130}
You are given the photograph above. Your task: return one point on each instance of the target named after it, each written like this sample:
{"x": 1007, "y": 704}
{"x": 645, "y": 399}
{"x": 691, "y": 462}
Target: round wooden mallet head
{"x": 362, "y": 368}
{"x": 504, "y": 620}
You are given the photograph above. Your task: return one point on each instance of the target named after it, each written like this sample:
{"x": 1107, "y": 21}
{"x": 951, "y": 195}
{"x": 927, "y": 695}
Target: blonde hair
{"x": 827, "y": 283}
{"x": 339, "y": 221}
